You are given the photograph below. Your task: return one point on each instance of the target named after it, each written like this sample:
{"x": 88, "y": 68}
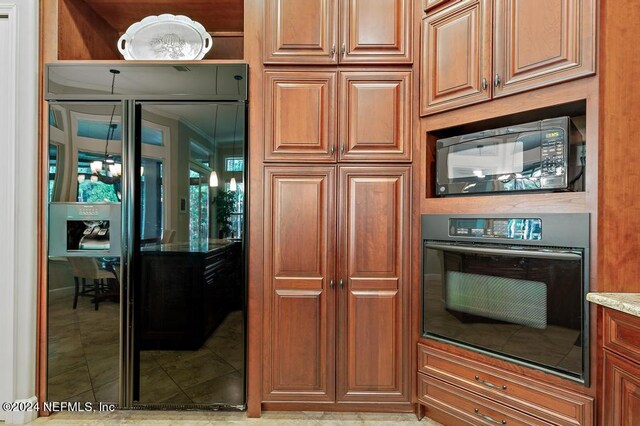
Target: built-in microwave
{"x": 543, "y": 155}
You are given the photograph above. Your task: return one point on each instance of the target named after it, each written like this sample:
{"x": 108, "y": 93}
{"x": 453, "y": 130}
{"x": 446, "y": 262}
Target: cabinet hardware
{"x": 343, "y": 51}
{"x": 333, "y": 51}
{"x": 333, "y": 149}
{"x": 489, "y": 384}
{"x": 341, "y": 283}
{"x": 485, "y": 85}
{"x": 496, "y": 81}
{"x": 342, "y": 149}
{"x": 331, "y": 284}
{"x": 489, "y": 418}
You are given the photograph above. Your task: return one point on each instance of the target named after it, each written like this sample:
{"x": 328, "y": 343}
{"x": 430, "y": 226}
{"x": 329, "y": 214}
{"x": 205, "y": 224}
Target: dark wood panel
{"x": 456, "y": 56}
{"x": 619, "y": 172}
{"x": 85, "y": 34}
{"x": 223, "y": 15}
{"x": 299, "y": 323}
{"x": 375, "y": 116}
{"x": 621, "y": 391}
{"x": 300, "y": 115}
{"x": 376, "y": 31}
{"x": 374, "y": 254}
{"x": 301, "y": 31}
{"x": 542, "y": 42}
{"x": 226, "y": 47}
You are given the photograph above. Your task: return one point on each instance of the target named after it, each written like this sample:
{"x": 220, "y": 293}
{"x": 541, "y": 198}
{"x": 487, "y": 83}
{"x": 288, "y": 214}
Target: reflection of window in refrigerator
{"x": 237, "y": 216}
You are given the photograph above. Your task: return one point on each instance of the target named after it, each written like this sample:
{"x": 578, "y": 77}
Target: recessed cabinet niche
{"x": 338, "y": 31}
{"x": 475, "y": 50}
{"x": 89, "y": 29}
{"x": 304, "y": 110}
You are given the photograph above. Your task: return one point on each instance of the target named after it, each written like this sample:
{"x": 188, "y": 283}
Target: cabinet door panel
{"x": 375, "y": 116}
{"x": 621, "y": 391}
{"x": 376, "y": 31}
{"x": 299, "y": 303}
{"x": 374, "y": 258}
{"x": 541, "y": 42}
{"x": 301, "y": 31}
{"x": 456, "y": 62}
{"x": 300, "y": 116}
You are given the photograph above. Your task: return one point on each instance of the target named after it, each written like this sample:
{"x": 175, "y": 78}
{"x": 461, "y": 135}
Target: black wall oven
{"x": 511, "y": 286}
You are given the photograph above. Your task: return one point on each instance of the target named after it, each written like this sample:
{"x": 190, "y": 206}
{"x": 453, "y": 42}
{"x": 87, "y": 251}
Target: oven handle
{"x": 508, "y": 252}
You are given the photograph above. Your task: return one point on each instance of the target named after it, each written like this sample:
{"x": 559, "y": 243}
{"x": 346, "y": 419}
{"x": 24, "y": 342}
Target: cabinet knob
{"x": 342, "y": 149}
{"x": 333, "y": 149}
{"x": 341, "y": 283}
{"x": 343, "y": 51}
{"x": 333, "y": 51}
{"x": 496, "y": 81}
{"x": 485, "y": 85}
{"x": 331, "y": 284}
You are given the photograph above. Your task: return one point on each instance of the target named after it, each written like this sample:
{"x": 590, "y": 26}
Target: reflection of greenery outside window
{"x": 234, "y": 164}
{"x": 52, "y": 181}
{"x": 238, "y": 210}
{"x": 198, "y": 206}
{"x": 95, "y": 192}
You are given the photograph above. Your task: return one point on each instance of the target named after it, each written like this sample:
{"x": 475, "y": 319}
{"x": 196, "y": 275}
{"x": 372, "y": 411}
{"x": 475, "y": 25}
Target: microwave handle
{"x": 507, "y": 252}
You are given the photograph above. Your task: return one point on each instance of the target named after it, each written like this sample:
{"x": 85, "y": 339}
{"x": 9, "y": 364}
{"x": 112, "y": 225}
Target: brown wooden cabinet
{"x": 621, "y": 368}
{"x": 338, "y": 31}
{"x": 302, "y": 109}
{"x": 474, "y": 50}
{"x": 336, "y": 327}
{"x": 454, "y": 387}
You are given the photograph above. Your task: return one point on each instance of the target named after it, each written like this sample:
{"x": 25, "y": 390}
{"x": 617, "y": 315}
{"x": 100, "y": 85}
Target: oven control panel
{"x": 529, "y": 229}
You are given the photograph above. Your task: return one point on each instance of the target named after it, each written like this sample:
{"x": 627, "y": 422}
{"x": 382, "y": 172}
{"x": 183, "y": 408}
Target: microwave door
{"x": 497, "y": 164}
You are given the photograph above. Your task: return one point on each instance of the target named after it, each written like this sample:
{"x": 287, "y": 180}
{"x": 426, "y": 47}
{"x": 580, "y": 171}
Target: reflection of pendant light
{"x": 213, "y": 178}
{"x": 232, "y": 185}
{"x": 112, "y": 127}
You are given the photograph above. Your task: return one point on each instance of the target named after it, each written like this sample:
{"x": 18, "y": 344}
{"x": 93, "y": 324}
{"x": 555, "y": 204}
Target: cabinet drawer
{"x": 559, "y": 406}
{"x": 466, "y": 408}
{"x": 622, "y": 334}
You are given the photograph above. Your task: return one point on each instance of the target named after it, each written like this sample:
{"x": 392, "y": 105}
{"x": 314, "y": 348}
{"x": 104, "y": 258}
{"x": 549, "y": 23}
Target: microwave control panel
{"x": 553, "y": 157}
{"x": 529, "y": 229}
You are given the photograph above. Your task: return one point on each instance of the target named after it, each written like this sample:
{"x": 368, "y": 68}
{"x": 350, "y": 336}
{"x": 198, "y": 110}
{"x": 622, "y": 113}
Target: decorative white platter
{"x": 165, "y": 37}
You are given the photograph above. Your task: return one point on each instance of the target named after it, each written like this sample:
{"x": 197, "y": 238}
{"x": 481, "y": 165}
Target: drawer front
{"x": 468, "y": 408}
{"x": 557, "y": 405}
{"x": 622, "y": 334}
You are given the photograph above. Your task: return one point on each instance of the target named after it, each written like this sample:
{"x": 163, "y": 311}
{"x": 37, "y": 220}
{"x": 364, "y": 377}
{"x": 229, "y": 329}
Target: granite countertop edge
{"x": 624, "y": 302}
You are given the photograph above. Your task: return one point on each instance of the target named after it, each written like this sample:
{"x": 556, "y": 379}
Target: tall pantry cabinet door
{"x": 456, "y": 56}
{"x": 301, "y": 31}
{"x": 373, "y": 284}
{"x": 300, "y": 116}
{"x": 299, "y": 260}
{"x": 375, "y": 116}
{"x": 376, "y": 31}
{"x": 542, "y": 42}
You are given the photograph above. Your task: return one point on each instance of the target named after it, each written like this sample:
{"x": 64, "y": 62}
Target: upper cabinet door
{"x": 301, "y": 31}
{"x": 300, "y": 116}
{"x": 542, "y": 42}
{"x": 456, "y": 61}
{"x": 376, "y": 31}
{"x": 375, "y": 116}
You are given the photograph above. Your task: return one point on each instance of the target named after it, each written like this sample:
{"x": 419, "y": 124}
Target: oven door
{"x": 522, "y": 304}
{"x": 509, "y": 162}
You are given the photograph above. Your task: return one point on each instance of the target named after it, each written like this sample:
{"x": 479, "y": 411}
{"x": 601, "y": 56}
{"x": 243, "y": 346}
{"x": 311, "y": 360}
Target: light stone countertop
{"x": 623, "y": 302}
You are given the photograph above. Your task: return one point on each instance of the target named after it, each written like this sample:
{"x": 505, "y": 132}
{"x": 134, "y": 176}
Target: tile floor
{"x": 162, "y": 418}
{"x": 83, "y": 359}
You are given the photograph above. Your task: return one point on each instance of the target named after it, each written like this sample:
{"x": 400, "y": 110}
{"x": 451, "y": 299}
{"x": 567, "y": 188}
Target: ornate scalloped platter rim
{"x": 165, "y": 37}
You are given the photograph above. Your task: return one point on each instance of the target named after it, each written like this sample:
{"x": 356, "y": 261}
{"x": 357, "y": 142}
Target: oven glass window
{"x": 517, "y": 306}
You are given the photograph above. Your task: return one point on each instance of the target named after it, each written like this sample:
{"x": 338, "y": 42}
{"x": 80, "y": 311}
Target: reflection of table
{"x": 186, "y": 292}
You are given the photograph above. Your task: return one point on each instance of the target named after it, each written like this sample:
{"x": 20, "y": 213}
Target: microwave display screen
{"x": 529, "y": 229}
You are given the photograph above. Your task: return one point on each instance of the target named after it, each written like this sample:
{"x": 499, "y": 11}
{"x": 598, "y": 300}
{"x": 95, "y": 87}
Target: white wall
{"x": 18, "y": 196}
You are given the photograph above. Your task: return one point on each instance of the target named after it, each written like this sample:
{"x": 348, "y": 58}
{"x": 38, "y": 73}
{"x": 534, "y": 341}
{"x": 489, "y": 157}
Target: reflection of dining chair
{"x": 87, "y": 268}
{"x": 168, "y": 236}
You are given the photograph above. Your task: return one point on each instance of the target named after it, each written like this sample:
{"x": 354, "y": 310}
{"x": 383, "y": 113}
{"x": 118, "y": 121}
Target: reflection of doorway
{"x": 198, "y": 205}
